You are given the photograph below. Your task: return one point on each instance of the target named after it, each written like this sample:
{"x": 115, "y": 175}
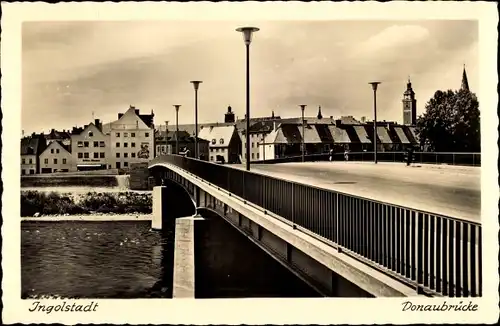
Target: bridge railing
{"x": 437, "y": 253}
{"x": 466, "y": 159}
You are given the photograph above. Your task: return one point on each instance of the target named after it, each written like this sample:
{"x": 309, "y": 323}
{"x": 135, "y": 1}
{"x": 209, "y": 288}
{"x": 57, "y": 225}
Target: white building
{"x": 90, "y": 147}
{"x": 224, "y": 143}
{"x": 131, "y": 138}
{"x": 57, "y": 158}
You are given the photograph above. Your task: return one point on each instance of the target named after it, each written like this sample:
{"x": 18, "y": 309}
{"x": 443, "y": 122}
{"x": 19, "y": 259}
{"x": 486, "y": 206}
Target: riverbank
{"x": 90, "y": 218}
{"x": 40, "y": 203}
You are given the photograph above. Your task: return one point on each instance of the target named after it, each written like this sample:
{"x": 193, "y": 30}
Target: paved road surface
{"x": 452, "y": 191}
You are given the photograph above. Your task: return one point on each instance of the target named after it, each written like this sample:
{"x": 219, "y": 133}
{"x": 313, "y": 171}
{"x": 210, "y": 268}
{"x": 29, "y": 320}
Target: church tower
{"x": 229, "y": 116}
{"x": 409, "y": 105}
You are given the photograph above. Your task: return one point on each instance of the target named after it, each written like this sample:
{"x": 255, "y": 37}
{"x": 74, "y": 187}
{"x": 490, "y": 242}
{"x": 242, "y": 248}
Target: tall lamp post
{"x": 196, "y": 84}
{"x": 247, "y": 37}
{"x": 374, "y": 87}
{"x": 303, "y": 107}
{"x": 177, "y": 106}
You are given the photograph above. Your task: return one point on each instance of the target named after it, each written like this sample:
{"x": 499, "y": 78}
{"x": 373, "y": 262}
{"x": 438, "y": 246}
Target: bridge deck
{"x": 453, "y": 191}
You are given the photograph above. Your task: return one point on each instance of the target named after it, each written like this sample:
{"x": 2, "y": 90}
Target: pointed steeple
{"x": 465, "y": 82}
{"x": 320, "y": 116}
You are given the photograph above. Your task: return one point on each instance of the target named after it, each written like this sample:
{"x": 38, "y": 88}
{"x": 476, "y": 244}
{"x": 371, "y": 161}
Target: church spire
{"x": 320, "y": 116}
{"x": 465, "y": 82}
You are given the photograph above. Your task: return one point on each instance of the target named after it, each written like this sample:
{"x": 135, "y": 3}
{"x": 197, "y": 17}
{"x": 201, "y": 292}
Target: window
{"x": 125, "y": 134}
{"x": 46, "y": 161}
{"x": 85, "y": 144}
{"x": 125, "y": 164}
{"x": 221, "y": 141}
{"x": 64, "y": 161}
{"x": 31, "y": 161}
{"x": 23, "y": 172}
{"x": 51, "y": 151}
{"x": 213, "y": 141}
{"x": 147, "y": 134}
{"x": 57, "y": 150}
{"x": 252, "y": 156}
{"x": 132, "y": 154}
{"x": 125, "y": 144}
{"x": 117, "y": 155}
{"x": 85, "y": 155}
{"x": 101, "y": 143}
{"x": 23, "y": 161}
{"x": 101, "y": 155}
{"x": 132, "y": 144}
{"x": 125, "y": 155}
{"x": 32, "y": 171}
{"x": 80, "y": 144}
{"x": 117, "y": 144}
{"x": 96, "y": 155}
{"x": 132, "y": 134}
{"x": 252, "y": 144}
{"x": 211, "y": 158}
{"x": 55, "y": 161}
{"x": 96, "y": 144}
{"x": 80, "y": 155}
{"x": 117, "y": 134}
{"x": 91, "y": 134}
{"x": 118, "y": 165}
{"x": 257, "y": 155}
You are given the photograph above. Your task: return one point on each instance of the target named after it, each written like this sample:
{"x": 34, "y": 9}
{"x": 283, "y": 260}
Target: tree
{"x": 451, "y": 122}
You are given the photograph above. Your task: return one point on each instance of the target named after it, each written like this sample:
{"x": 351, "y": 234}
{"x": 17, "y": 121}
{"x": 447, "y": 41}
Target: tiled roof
{"x": 30, "y": 145}
{"x": 362, "y": 134}
{"x": 414, "y": 134}
{"x": 383, "y": 135}
{"x": 55, "y": 134}
{"x": 339, "y": 135}
{"x": 401, "y": 135}
{"x": 218, "y": 136}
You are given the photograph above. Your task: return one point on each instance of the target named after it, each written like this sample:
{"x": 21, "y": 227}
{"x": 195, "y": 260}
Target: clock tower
{"x": 409, "y": 106}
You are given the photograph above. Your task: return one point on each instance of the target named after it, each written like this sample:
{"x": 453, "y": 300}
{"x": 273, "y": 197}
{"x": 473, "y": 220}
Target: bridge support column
{"x": 159, "y": 207}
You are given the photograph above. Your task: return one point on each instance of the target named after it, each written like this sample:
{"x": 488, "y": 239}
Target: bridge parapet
{"x": 437, "y": 254}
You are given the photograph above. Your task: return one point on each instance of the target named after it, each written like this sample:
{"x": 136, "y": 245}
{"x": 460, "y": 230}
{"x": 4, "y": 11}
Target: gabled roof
{"x": 79, "y": 131}
{"x": 218, "y": 136}
{"x": 56, "y": 144}
{"x": 413, "y": 133}
{"x": 55, "y": 134}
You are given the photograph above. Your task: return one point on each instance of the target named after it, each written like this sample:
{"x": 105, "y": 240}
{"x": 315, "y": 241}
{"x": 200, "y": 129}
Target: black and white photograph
{"x": 267, "y": 158}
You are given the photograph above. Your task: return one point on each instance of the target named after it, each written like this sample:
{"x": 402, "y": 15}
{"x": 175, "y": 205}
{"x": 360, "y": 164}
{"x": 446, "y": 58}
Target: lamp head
{"x": 303, "y": 107}
{"x": 177, "y": 106}
{"x": 374, "y": 85}
{"x": 247, "y": 33}
{"x": 196, "y": 84}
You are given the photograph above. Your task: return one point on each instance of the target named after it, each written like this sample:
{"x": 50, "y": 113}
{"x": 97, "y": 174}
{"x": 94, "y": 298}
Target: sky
{"x": 72, "y": 71}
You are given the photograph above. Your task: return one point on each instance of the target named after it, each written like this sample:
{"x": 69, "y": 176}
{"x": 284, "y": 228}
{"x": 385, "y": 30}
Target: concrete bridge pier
{"x": 170, "y": 202}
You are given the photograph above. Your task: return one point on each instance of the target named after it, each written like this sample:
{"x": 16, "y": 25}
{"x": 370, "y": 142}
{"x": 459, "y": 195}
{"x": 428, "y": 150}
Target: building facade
{"x": 224, "y": 143}
{"x": 90, "y": 147}
{"x": 31, "y": 147}
{"x": 132, "y": 139}
{"x": 57, "y": 158}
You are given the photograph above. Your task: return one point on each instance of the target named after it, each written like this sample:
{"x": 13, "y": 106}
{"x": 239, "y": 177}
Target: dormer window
{"x": 221, "y": 141}
{"x": 91, "y": 134}
{"x": 214, "y": 141}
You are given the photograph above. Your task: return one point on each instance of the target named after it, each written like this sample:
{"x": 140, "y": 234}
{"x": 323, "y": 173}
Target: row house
{"x": 131, "y": 138}
{"x": 31, "y": 147}
{"x": 90, "y": 147}
{"x": 57, "y": 158}
{"x": 224, "y": 143}
{"x": 166, "y": 142}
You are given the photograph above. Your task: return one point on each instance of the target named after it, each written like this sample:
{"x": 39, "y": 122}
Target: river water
{"x": 94, "y": 260}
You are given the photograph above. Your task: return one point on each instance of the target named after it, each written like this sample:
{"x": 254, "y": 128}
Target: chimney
{"x": 97, "y": 123}
{"x": 274, "y": 125}
{"x": 338, "y": 122}
{"x": 363, "y": 119}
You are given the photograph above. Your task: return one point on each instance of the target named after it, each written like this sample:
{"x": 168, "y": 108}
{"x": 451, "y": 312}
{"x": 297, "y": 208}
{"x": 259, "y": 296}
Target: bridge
{"x": 339, "y": 242}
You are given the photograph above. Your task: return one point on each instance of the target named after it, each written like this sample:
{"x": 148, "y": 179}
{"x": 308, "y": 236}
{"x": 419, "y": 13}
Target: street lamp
{"x": 196, "y": 84}
{"x": 374, "y": 87}
{"x": 177, "y": 106}
{"x": 303, "y": 107}
{"x": 247, "y": 37}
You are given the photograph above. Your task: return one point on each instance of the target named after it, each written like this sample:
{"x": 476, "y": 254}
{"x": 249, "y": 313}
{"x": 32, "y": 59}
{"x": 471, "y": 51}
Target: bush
{"x": 53, "y": 203}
